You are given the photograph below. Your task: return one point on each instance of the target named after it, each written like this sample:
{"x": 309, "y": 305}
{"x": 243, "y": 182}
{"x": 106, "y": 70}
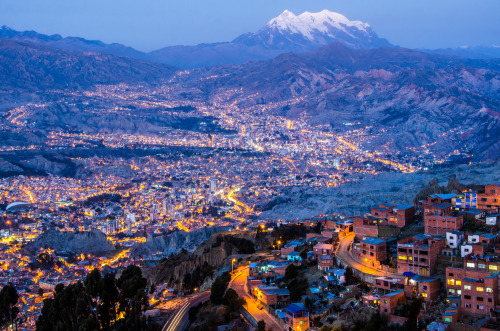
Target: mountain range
{"x": 285, "y": 33}
{"x": 416, "y": 98}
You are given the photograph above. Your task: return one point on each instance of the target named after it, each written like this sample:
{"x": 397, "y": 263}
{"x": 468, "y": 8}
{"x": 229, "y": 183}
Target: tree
{"x": 303, "y": 254}
{"x": 98, "y": 303}
{"x": 8, "y": 309}
{"x": 132, "y": 298}
{"x": 291, "y": 273}
{"x": 261, "y": 326}
{"x": 219, "y": 288}
{"x": 233, "y": 301}
{"x": 413, "y": 312}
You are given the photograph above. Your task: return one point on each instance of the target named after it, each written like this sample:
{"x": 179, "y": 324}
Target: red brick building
{"x": 441, "y": 218}
{"x": 365, "y": 227}
{"x": 390, "y": 301}
{"x": 425, "y": 287}
{"x": 323, "y": 249}
{"x": 490, "y": 199}
{"x": 398, "y": 216}
{"x": 418, "y": 254}
{"x": 370, "y": 251}
{"x": 478, "y": 290}
{"x": 325, "y": 262}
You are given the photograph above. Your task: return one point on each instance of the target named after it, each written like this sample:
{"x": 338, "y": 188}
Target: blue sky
{"x": 152, "y": 24}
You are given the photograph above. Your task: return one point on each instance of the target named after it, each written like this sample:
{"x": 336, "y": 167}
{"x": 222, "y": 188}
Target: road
{"x": 179, "y": 318}
{"x": 346, "y": 256}
{"x": 238, "y": 283}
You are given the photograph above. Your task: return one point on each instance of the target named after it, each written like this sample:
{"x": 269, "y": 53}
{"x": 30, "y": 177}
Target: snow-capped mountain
{"x": 307, "y": 31}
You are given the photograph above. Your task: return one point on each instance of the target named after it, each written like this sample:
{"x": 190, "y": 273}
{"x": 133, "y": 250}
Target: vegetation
{"x": 99, "y": 303}
{"x": 219, "y": 288}
{"x": 8, "y": 309}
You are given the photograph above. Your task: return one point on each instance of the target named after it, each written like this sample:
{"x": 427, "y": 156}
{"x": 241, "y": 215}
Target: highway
{"x": 179, "y": 318}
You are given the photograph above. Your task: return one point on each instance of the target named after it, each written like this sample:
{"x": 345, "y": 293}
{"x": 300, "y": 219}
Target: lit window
{"x": 424, "y": 295}
{"x": 459, "y": 292}
{"x": 471, "y": 264}
{"x": 466, "y": 287}
{"x": 493, "y": 267}
{"x": 458, "y": 282}
{"x": 481, "y": 266}
{"x": 402, "y": 257}
{"x": 489, "y": 290}
{"x": 480, "y": 289}
{"x": 451, "y": 282}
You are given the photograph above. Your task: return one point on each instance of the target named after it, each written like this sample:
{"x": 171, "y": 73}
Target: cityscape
{"x": 307, "y": 176}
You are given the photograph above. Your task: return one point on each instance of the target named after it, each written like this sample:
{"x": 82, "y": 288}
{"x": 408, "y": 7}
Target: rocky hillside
{"x": 33, "y": 66}
{"x": 187, "y": 270}
{"x": 174, "y": 242}
{"x": 415, "y": 98}
{"x": 78, "y": 242}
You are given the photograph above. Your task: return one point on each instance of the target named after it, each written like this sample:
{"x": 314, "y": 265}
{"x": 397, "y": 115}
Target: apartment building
{"x": 418, "y": 254}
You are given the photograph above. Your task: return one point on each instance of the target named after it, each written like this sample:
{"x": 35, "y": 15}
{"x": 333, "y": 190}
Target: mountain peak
{"x": 310, "y": 24}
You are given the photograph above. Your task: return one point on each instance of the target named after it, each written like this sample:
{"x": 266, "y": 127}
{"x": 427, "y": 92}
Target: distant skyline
{"x": 152, "y": 24}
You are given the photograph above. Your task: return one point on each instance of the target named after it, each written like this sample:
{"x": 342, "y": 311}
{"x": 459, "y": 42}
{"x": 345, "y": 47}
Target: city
{"x": 305, "y": 175}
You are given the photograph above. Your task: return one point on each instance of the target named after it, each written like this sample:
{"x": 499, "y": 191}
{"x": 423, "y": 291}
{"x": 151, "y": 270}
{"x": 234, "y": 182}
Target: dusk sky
{"x": 151, "y": 24}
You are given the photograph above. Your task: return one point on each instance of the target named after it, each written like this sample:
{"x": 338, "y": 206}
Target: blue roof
{"x": 403, "y": 207}
{"x": 373, "y": 241}
{"x": 295, "y": 308}
{"x": 489, "y": 235}
{"x": 444, "y": 196}
{"x": 393, "y": 293}
{"x": 315, "y": 290}
{"x": 340, "y": 272}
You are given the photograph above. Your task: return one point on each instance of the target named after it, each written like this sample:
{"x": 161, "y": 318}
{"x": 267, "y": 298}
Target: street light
{"x": 232, "y": 265}
{"x": 279, "y": 243}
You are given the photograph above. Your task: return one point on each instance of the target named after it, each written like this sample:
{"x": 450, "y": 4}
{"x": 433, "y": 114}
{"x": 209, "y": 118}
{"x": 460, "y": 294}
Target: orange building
{"x": 490, "y": 199}
{"x": 297, "y": 317}
{"x": 370, "y": 251}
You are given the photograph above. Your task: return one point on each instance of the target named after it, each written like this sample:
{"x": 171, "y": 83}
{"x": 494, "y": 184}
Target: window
{"x": 471, "y": 265}
{"x": 493, "y": 267}
{"x": 489, "y": 299}
{"x": 489, "y": 290}
{"x": 458, "y": 282}
{"x": 467, "y": 305}
{"x": 451, "y": 282}
{"x": 447, "y": 319}
{"x": 466, "y": 287}
{"x": 459, "y": 292}
{"x": 480, "y": 289}
{"x": 424, "y": 287}
{"x": 468, "y": 297}
{"x": 479, "y": 299}
{"x": 385, "y": 302}
{"x": 452, "y": 291}
{"x": 424, "y": 295}
{"x": 481, "y": 266}
{"x": 402, "y": 257}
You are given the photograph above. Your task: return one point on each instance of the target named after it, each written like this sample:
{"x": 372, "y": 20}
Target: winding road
{"x": 179, "y": 318}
